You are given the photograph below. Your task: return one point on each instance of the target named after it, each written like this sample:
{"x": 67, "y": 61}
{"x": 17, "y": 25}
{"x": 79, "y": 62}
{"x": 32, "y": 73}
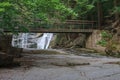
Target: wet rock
{"x": 5, "y": 42}
{"x": 5, "y": 46}
{"x": 5, "y": 59}
{"x": 78, "y": 41}
{"x": 70, "y": 64}
{"x": 53, "y": 41}
{"x": 48, "y": 51}
{"x": 113, "y": 47}
{"x": 16, "y": 52}
{"x": 108, "y": 52}
{"x": 111, "y": 52}
{"x": 85, "y": 50}
{"x": 70, "y": 40}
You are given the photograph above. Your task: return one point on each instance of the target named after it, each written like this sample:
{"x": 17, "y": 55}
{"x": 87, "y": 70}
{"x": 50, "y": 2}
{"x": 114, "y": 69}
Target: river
{"x": 62, "y": 65}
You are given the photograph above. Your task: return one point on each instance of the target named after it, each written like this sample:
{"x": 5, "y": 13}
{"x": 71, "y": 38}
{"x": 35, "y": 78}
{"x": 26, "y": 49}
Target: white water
{"x": 44, "y": 41}
{"x": 32, "y": 40}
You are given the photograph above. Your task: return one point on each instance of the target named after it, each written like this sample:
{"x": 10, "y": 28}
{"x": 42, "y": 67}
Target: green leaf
{"x": 2, "y": 9}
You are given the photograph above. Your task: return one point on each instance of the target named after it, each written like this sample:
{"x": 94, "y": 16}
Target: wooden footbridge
{"x": 68, "y": 26}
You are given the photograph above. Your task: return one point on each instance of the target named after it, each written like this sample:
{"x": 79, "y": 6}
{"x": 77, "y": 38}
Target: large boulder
{"x": 16, "y": 52}
{"x": 113, "y": 46}
{"x": 79, "y": 41}
{"x": 6, "y": 47}
{"x": 5, "y": 59}
{"x": 71, "y": 40}
{"x": 5, "y": 42}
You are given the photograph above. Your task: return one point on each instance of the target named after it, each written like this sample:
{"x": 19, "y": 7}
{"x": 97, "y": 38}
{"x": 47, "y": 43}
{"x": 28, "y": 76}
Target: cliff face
{"x": 78, "y": 40}
{"x": 5, "y": 43}
{"x": 113, "y": 46}
{"x": 6, "y": 48}
{"x": 82, "y": 40}
{"x": 70, "y": 40}
{"x": 93, "y": 39}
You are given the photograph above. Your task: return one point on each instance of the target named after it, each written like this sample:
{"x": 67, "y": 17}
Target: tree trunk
{"x": 100, "y": 14}
{"x": 115, "y": 5}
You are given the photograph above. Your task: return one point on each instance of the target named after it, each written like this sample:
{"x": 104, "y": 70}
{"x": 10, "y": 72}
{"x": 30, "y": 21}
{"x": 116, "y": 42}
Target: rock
{"x": 79, "y": 41}
{"x": 113, "y": 46}
{"x": 53, "y": 41}
{"x": 5, "y": 59}
{"x": 16, "y": 52}
{"x": 85, "y": 50}
{"x": 70, "y": 40}
{"x": 5, "y": 42}
{"x": 48, "y": 51}
{"x": 109, "y": 52}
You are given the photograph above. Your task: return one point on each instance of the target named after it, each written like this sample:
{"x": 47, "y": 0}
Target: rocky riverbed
{"x": 62, "y": 65}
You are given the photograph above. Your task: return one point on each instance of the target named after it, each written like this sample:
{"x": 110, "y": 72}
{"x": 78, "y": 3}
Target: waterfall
{"x": 32, "y": 40}
{"x": 44, "y": 41}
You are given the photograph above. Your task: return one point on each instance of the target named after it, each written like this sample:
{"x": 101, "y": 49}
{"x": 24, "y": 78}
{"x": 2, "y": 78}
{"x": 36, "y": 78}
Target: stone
{"x": 16, "y": 52}
{"x": 113, "y": 47}
{"x": 5, "y": 59}
{"x": 78, "y": 41}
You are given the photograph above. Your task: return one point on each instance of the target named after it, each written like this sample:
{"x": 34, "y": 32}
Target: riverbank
{"x": 75, "y": 51}
{"x": 62, "y": 66}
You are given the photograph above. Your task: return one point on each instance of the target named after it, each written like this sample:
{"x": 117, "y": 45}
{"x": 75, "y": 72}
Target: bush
{"x": 106, "y": 36}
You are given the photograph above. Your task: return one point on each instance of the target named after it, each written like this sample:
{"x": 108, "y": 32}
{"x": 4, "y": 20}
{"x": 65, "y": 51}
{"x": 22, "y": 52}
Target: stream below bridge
{"x": 62, "y": 64}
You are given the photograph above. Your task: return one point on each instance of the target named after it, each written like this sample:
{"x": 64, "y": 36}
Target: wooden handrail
{"x": 80, "y": 21}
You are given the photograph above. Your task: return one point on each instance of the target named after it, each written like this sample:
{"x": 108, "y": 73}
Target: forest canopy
{"x": 25, "y": 13}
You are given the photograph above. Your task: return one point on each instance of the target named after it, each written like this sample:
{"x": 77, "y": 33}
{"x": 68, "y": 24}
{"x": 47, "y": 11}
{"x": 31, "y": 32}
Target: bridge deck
{"x": 66, "y": 27}
{"x": 59, "y": 30}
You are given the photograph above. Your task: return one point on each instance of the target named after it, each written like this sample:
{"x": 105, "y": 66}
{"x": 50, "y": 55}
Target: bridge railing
{"x": 69, "y": 24}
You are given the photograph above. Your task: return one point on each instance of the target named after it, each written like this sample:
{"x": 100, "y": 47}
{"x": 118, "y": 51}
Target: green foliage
{"x": 102, "y": 42}
{"x": 83, "y": 7}
{"x": 4, "y": 5}
{"x": 24, "y": 13}
{"x": 116, "y": 9}
{"x": 106, "y": 36}
{"x": 2, "y": 9}
{"x": 52, "y": 9}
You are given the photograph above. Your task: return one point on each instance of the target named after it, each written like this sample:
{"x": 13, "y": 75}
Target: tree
{"x": 23, "y": 13}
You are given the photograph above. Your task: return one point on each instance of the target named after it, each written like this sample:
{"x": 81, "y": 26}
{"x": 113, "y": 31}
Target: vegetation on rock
{"x": 106, "y": 36}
